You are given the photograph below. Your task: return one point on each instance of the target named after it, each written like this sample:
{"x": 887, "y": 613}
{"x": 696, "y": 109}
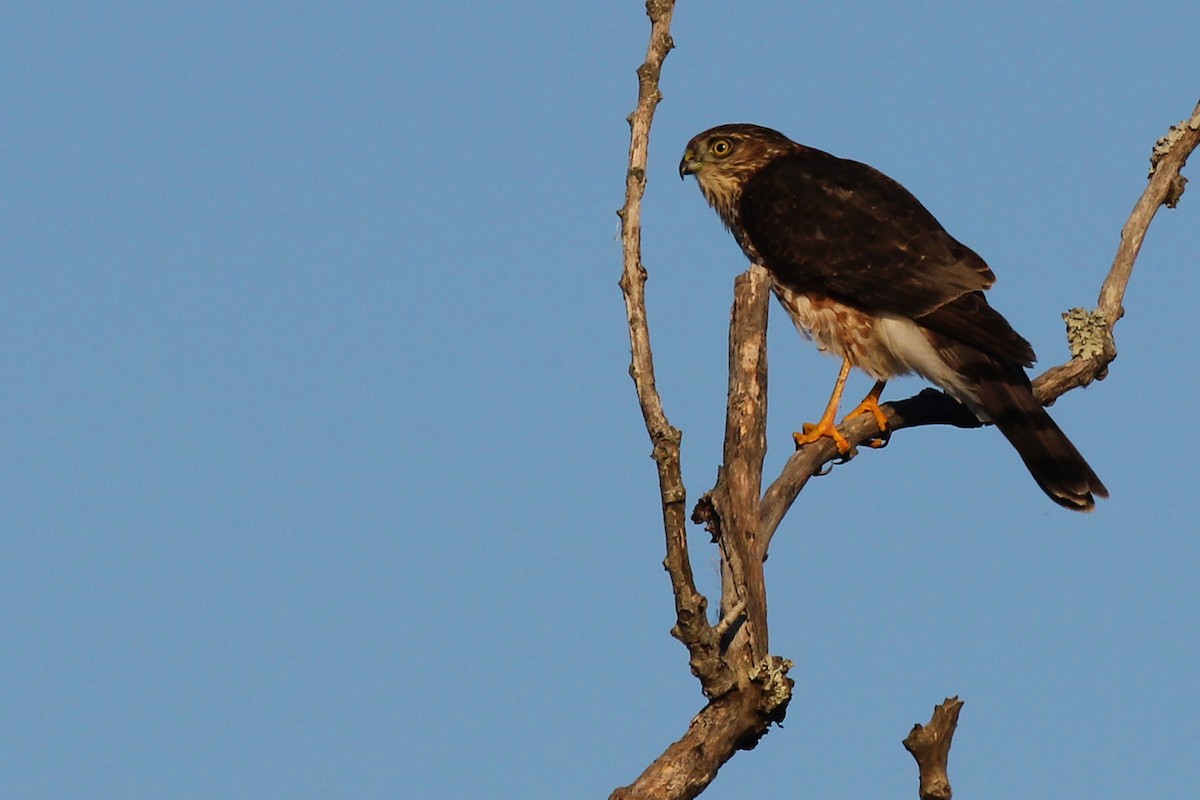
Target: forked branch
{"x": 747, "y": 690}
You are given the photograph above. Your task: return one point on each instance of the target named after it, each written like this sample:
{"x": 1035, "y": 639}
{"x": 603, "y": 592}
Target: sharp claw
{"x": 881, "y": 441}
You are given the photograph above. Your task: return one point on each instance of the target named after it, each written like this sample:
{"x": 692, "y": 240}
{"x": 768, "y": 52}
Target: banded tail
{"x": 1006, "y": 395}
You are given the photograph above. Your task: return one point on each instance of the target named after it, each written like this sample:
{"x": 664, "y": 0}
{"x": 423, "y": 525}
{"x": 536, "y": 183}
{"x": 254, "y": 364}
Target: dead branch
{"x": 689, "y": 765}
{"x": 930, "y": 746}
{"x": 747, "y": 690}
{"x": 691, "y": 627}
{"x": 730, "y": 510}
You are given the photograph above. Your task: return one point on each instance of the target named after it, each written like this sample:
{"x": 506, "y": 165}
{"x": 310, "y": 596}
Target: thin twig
{"x": 731, "y": 617}
{"x": 1163, "y": 188}
{"x": 691, "y": 627}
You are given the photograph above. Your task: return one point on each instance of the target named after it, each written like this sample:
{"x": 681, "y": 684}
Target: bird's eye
{"x": 721, "y": 148}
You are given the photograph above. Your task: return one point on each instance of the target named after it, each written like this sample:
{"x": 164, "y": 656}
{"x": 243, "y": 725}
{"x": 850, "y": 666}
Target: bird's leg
{"x": 826, "y": 426}
{"x": 870, "y": 405}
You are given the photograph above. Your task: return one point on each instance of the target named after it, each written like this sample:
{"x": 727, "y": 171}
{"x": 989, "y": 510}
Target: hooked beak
{"x": 687, "y": 166}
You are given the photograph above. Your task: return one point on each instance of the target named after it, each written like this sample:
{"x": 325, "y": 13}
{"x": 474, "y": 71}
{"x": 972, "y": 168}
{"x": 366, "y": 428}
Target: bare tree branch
{"x": 747, "y": 690}
{"x": 1164, "y": 188}
{"x": 689, "y": 765}
{"x": 691, "y": 627}
{"x": 736, "y": 718}
{"x": 930, "y": 746}
{"x": 730, "y": 510}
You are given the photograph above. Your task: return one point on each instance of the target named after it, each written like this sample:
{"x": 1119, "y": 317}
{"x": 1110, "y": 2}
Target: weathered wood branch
{"x": 760, "y": 692}
{"x": 720, "y": 730}
{"x": 930, "y": 746}
{"x": 730, "y": 509}
{"x": 747, "y": 689}
{"x": 691, "y": 624}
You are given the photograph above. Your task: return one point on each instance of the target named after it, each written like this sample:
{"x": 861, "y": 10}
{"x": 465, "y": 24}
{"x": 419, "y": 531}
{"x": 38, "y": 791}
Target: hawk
{"x": 865, "y": 271}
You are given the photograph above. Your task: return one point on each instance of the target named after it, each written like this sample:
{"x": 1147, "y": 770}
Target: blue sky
{"x": 323, "y": 475}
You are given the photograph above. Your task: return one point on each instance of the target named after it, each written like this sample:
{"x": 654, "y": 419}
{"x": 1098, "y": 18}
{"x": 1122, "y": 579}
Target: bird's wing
{"x": 841, "y": 229}
{"x": 970, "y": 320}
{"x": 830, "y": 225}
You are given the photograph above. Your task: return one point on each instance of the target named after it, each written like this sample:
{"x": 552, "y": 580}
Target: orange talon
{"x": 812, "y": 433}
{"x": 870, "y": 405}
{"x": 826, "y": 427}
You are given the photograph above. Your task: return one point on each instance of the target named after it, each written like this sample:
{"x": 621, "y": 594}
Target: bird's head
{"x": 725, "y": 157}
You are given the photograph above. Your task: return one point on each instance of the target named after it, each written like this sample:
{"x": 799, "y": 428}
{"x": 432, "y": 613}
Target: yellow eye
{"x": 720, "y": 147}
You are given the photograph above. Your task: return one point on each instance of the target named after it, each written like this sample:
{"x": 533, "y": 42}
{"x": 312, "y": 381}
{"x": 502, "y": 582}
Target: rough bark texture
{"x": 730, "y": 510}
{"x": 729, "y": 723}
{"x": 930, "y": 746}
{"x": 748, "y": 689}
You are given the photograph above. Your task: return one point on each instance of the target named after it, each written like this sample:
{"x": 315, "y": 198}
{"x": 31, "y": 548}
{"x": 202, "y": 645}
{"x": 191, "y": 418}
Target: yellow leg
{"x": 870, "y": 405}
{"x": 826, "y": 426}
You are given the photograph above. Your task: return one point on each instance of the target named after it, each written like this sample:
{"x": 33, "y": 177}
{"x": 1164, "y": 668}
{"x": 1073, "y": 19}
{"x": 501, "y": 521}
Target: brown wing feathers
{"x": 841, "y": 227}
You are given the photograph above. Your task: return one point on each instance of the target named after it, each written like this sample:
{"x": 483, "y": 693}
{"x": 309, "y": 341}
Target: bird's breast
{"x": 881, "y": 345}
{"x": 841, "y": 330}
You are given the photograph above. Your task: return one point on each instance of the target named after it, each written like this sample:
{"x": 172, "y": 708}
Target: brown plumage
{"x": 869, "y": 274}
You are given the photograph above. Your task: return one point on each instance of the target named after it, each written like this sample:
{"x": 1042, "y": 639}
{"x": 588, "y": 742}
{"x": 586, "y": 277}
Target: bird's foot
{"x": 825, "y": 428}
{"x": 870, "y": 405}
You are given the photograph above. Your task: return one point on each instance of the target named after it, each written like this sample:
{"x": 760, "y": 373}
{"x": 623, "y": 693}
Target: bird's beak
{"x": 687, "y": 165}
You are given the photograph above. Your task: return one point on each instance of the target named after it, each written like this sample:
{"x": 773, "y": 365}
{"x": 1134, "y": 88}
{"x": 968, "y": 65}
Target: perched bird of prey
{"x": 867, "y": 272}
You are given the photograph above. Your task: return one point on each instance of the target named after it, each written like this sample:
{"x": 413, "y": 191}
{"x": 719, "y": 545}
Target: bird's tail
{"x": 1053, "y": 461}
